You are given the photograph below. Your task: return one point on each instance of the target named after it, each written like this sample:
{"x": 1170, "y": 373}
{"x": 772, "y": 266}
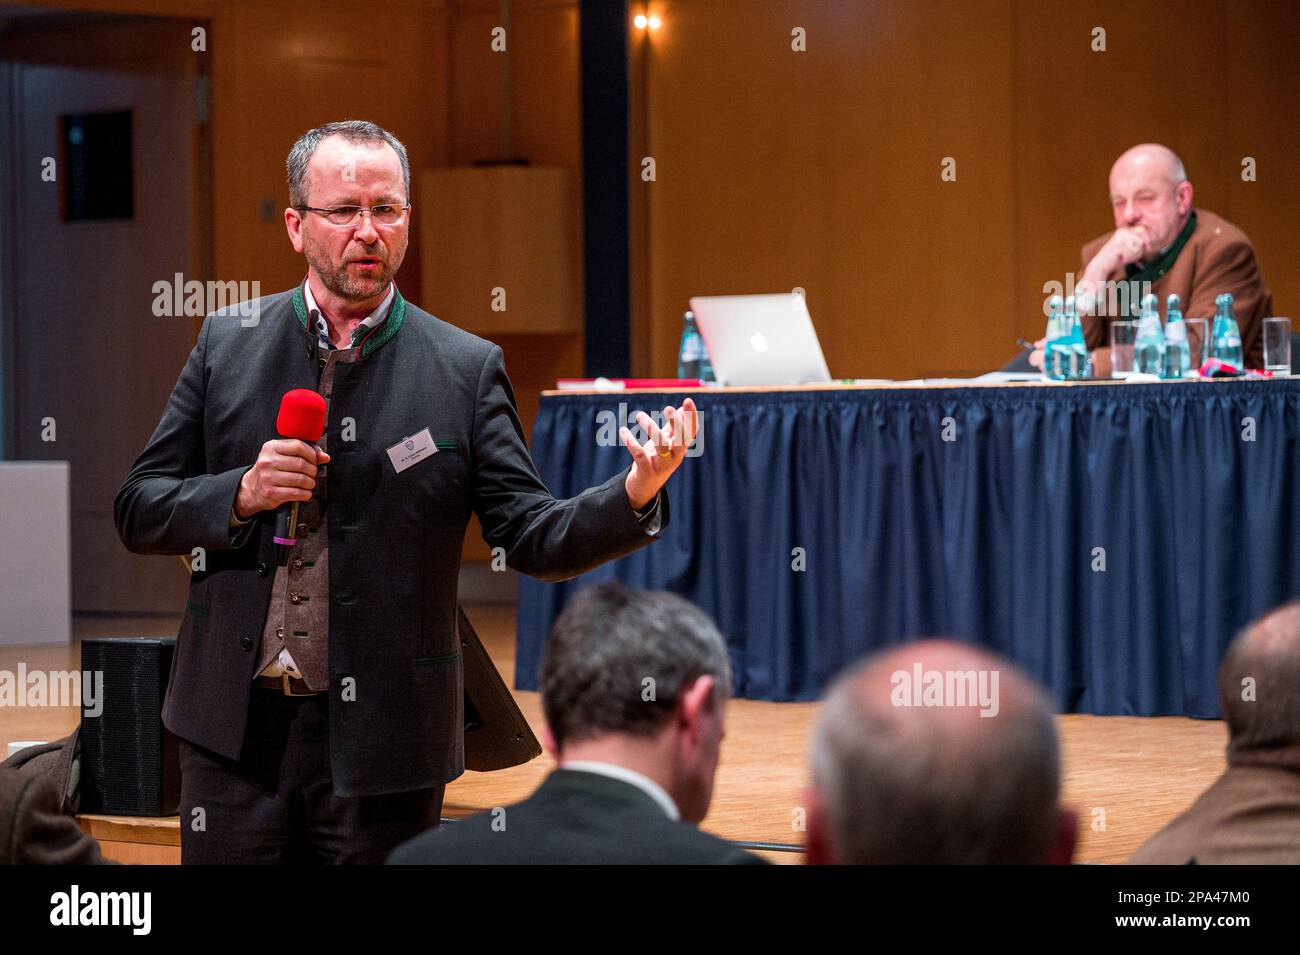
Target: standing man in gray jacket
{"x": 318, "y": 699}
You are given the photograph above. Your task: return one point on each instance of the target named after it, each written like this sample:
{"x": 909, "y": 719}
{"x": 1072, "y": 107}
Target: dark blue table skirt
{"x": 1184, "y": 493}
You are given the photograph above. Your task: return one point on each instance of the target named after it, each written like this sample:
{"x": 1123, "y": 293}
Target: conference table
{"x": 1110, "y": 538}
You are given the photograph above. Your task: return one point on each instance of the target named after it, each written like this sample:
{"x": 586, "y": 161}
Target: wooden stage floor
{"x": 1124, "y": 776}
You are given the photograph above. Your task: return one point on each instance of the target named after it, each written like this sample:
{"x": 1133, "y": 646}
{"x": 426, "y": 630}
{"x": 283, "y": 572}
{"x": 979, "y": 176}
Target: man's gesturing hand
{"x": 285, "y": 471}
{"x": 657, "y": 459}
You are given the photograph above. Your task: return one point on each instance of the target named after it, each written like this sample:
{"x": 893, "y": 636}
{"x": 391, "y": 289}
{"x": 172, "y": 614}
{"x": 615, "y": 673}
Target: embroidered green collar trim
{"x": 376, "y": 337}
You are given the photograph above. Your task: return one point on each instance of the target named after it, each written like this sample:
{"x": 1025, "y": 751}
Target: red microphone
{"x": 302, "y": 416}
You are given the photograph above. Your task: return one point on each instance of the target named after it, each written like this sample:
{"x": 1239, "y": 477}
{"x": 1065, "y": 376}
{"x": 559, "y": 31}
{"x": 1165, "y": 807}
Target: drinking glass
{"x": 1123, "y": 336}
{"x": 1277, "y": 345}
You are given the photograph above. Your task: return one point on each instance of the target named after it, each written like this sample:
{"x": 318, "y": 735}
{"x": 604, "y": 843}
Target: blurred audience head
{"x": 936, "y": 753}
{"x": 1149, "y": 191}
{"x": 1259, "y": 688}
{"x": 639, "y": 679}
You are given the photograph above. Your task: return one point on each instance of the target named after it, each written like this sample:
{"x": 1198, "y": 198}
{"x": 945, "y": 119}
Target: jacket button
{"x": 261, "y": 568}
{"x": 246, "y": 643}
{"x": 295, "y": 597}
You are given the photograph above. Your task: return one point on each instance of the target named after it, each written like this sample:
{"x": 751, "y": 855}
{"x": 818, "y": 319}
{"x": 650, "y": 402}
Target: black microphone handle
{"x": 286, "y": 524}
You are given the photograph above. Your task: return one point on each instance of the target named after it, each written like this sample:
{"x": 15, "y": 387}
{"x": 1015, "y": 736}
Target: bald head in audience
{"x": 1259, "y": 687}
{"x": 936, "y": 752}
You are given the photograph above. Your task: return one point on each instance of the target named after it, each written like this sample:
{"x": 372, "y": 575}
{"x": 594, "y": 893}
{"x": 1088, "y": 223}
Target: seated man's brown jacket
{"x": 37, "y": 825}
{"x": 1217, "y": 257}
{"x": 1250, "y": 815}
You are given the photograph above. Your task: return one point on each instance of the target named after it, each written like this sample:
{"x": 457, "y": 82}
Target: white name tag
{"x": 411, "y": 451}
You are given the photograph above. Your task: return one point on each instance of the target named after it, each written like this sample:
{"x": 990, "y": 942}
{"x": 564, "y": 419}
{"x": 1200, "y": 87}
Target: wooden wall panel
{"x": 541, "y": 62}
{"x": 821, "y": 169}
{"x": 778, "y": 169}
{"x": 278, "y": 70}
{"x": 542, "y": 66}
{"x": 501, "y": 227}
{"x": 1077, "y": 110}
{"x": 544, "y": 127}
{"x": 1262, "y": 74}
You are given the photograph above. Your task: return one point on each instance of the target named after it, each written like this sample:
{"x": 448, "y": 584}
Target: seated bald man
{"x": 1252, "y": 812}
{"x": 1162, "y": 239}
{"x": 936, "y": 753}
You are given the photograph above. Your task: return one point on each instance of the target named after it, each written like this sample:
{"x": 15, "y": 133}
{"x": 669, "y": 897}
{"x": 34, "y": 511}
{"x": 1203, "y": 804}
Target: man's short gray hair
{"x": 617, "y": 660}
{"x": 354, "y": 131}
{"x": 903, "y": 785}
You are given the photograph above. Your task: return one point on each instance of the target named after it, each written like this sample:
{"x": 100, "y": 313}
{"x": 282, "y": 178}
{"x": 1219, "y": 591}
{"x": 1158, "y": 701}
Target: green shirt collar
{"x": 377, "y": 337}
{"x": 1157, "y": 269}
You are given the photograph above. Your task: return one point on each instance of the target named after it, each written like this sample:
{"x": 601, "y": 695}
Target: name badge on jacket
{"x": 412, "y": 450}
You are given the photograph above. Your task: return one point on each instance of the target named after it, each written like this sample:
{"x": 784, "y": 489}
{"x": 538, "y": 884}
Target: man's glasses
{"x": 351, "y": 215}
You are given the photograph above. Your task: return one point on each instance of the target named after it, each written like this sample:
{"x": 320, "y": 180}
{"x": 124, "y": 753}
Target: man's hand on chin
{"x": 1127, "y": 245}
{"x": 658, "y": 458}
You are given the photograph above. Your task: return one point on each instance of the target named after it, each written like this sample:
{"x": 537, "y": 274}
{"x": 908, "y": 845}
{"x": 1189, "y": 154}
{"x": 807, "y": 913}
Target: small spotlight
{"x": 655, "y": 23}
{"x": 641, "y": 21}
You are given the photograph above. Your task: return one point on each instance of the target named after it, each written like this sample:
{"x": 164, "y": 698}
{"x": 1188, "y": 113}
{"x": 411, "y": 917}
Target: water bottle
{"x": 1054, "y": 347}
{"x": 1149, "y": 351}
{"x": 1225, "y": 339}
{"x": 1074, "y": 335}
{"x": 1178, "y": 354}
{"x": 691, "y": 354}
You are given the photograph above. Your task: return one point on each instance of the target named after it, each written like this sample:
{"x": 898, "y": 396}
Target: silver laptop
{"x": 760, "y": 339}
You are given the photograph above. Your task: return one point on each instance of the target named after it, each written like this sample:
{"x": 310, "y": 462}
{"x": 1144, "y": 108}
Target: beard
{"x": 347, "y": 285}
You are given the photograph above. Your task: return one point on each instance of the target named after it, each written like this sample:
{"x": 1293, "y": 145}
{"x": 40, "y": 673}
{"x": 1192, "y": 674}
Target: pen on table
{"x": 1027, "y": 346}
